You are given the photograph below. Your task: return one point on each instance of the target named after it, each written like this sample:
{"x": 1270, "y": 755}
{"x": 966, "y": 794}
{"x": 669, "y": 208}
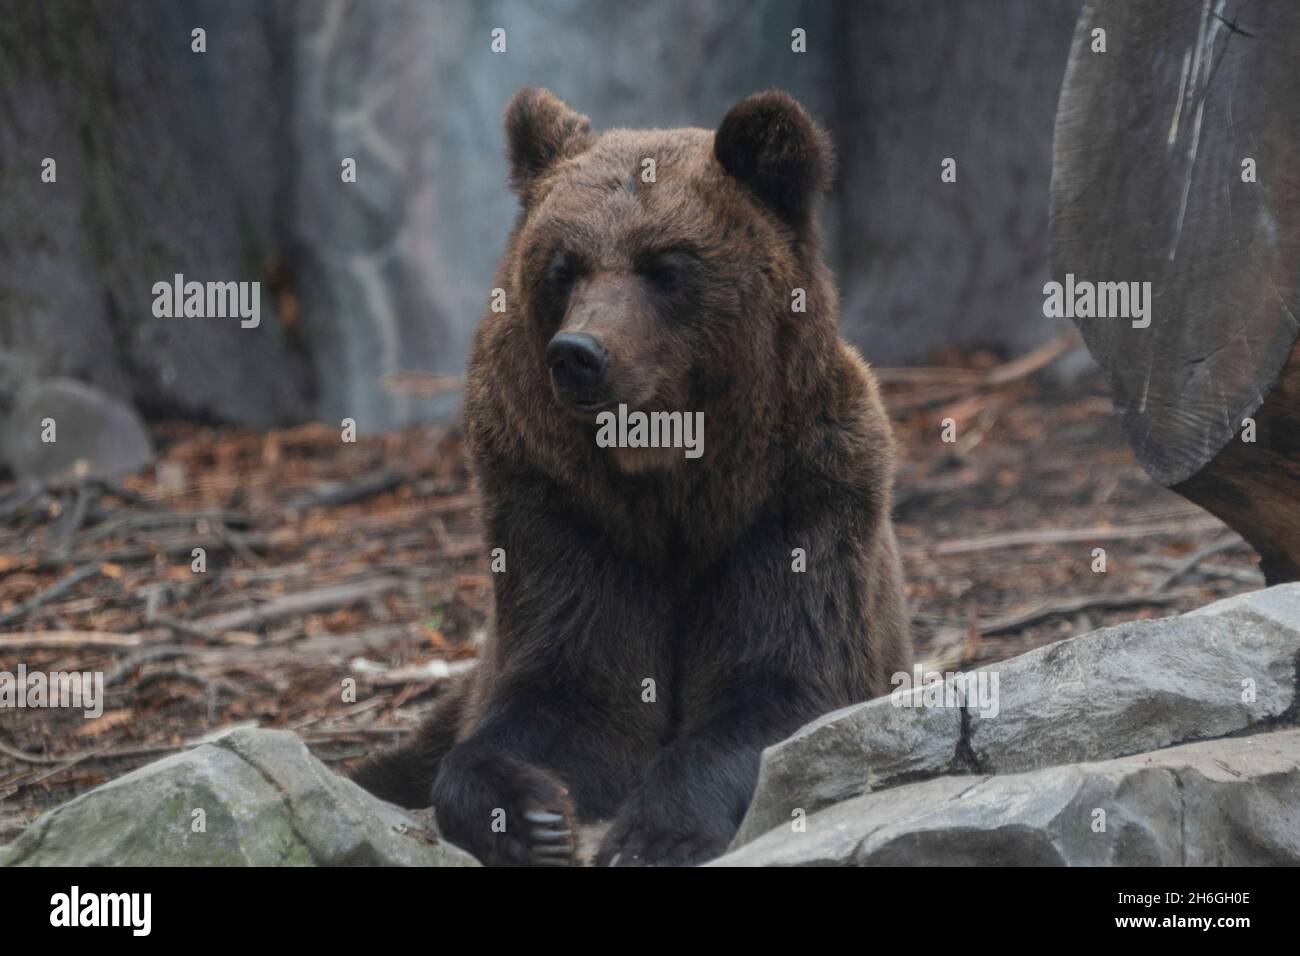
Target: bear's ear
{"x": 769, "y": 143}
{"x": 541, "y": 129}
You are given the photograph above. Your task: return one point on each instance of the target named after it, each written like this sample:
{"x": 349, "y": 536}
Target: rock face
{"x": 1134, "y": 689}
{"x": 227, "y": 165}
{"x": 1233, "y": 802}
{"x": 265, "y": 801}
{"x": 165, "y": 162}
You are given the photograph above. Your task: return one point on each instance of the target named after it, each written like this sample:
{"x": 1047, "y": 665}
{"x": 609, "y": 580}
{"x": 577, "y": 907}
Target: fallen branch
{"x": 428, "y": 672}
{"x": 1032, "y": 361}
{"x": 1015, "y": 622}
{"x": 55, "y": 770}
{"x": 329, "y": 736}
{"x": 320, "y": 648}
{"x": 160, "y": 519}
{"x": 1012, "y": 371}
{"x": 169, "y": 549}
{"x": 40, "y": 759}
{"x": 110, "y": 753}
{"x": 307, "y": 602}
{"x": 68, "y": 640}
{"x": 368, "y": 487}
{"x": 1243, "y": 575}
{"x": 1016, "y": 539}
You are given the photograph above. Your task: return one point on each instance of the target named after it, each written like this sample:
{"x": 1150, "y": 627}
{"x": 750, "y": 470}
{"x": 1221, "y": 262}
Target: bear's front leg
{"x": 540, "y": 759}
{"x": 769, "y": 645}
{"x": 695, "y": 792}
{"x": 560, "y": 732}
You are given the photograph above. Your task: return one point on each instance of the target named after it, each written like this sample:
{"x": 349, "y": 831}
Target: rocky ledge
{"x": 1167, "y": 742}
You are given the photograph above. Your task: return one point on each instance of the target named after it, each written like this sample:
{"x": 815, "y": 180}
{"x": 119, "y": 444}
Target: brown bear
{"x": 661, "y": 617}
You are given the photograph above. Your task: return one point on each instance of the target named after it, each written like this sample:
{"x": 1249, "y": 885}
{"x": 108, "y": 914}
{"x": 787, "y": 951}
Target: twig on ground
{"x": 19, "y": 498}
{"x": 184, "y": 628}
{"x": 54, "y": 771}
{"x": 1015, "y": 622}
{"x": 70, "y": 521}
{"x": 236, "y": 542}
{"x": 160, "y": 652}
{"x": 62, "y": 586}
{"x": 306, "y": 602}
{"x": 1188, "y": 564}
{"x": 25, "y": 757}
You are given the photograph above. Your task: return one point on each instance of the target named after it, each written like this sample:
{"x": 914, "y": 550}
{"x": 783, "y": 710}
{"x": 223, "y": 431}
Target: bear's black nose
{"x": 577, "y": 360}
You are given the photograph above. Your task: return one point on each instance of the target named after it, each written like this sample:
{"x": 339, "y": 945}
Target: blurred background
{"x": 225, "y": 165}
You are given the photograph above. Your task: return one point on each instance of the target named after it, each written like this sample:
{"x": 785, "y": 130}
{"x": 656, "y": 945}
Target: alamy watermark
{"x": 624, "y": 429}
{"x": 924, "y": 689}
{"x": 75, "y": 908}
{"x": 208, "y": 300}
{"x": 1083, "y": 299}
{"x": 75, "y": 689}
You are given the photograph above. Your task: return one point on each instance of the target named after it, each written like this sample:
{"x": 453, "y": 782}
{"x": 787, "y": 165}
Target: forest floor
{"x": 328, "y": 560}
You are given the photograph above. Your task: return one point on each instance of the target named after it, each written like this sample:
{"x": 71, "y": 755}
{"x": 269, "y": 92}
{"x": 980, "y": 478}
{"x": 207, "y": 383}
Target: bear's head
{"x": 670, "y": 270}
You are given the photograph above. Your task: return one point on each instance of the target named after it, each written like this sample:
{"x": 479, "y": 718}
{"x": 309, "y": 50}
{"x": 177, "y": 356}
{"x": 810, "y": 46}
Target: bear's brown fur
{"x": 651, "y": 632}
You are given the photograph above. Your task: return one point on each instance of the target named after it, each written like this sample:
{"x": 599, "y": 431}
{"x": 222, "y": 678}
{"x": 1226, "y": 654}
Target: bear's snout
{"x": 578, "y": 362}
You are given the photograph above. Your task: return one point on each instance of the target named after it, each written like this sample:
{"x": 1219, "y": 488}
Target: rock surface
{"x": 226, "y": 165}
{"x": 1137, "y": 687}
{"x": 96, "y": 435}
{"x": 1233, "y": 802}
{"x": 166, "y": 161}
{"x": 265, "y": 801}
{"x": 1170, "y": 742}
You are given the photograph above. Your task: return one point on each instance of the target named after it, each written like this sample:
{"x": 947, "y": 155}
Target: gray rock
{"x": 846, "y": 753}
{"x": 266, "y": 800}
{"x": 1124, "y": 690}
{"x": 96, "y": 435}
{"x": 1145, "y": 685}
{"x": 1233, "y": 802}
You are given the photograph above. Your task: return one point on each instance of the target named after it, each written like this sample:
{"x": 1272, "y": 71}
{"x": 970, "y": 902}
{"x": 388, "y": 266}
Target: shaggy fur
{"x": 626, "y": 566}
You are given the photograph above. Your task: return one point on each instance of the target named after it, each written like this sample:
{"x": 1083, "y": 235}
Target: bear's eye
{"x": 666, "y": 272}
{"x": 562, "y": 271}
